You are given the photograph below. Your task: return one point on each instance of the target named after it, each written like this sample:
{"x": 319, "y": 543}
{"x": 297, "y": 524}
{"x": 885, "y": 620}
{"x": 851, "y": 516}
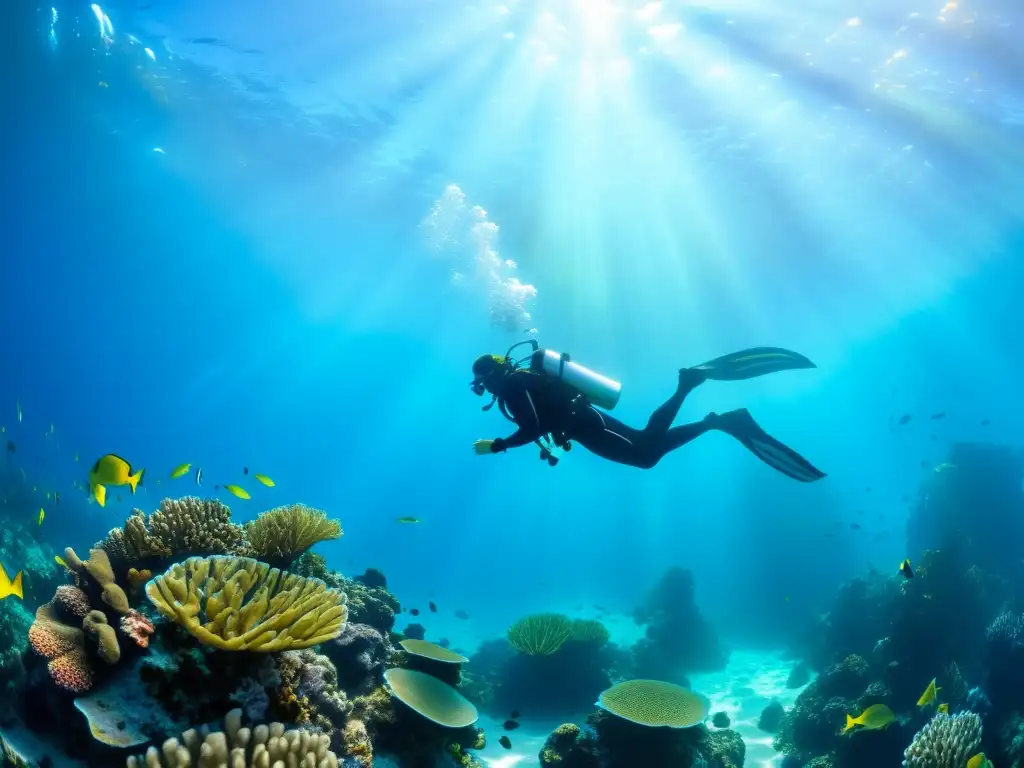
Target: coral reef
{"x": 247, "y": 604}
{"x": 359, "y": 655}
{"x": 619, "y": 743}
{"x": 180, "y": 528}
{"x": 947, "y": 741}
{"x": 771, "y": 717}
{"x": 678, "y": 640}
{"x": 281, "y": 535}
{"x": 540, "y": 634}
{"x": 569, "y": 746}
{"x": 263, "y": 745}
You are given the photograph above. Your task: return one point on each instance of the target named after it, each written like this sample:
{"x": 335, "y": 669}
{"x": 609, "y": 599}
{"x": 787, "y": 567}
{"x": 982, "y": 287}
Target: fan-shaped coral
{"x": 281, "y": 535}
{"x": 435, "y": 700}
{"x": 241, "y": 604}
{"x": 655, "y": 703}
{"x": 264, "y": 745}
{"x": 540, "y": 634}
{"x": 946, "y": 741}
{"x": 432, "y": 651}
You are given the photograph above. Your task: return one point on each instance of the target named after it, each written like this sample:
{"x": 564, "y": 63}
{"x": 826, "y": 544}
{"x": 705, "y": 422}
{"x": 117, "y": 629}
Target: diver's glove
{"x": 484, "y": 447}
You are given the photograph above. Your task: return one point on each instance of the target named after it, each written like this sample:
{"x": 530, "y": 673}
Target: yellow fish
{"x": 42, "y": 514}
{"x": 873, "y": 718}
{"x": 111, "y": 470}
{"x": 180, "y": 471}
{"x": 264, "y": 479}
{"x": 60, "y": 561}
{"x": 979, "y": 761}
{"x": 239, "y": 492}
{"x": 408, "y": 520}
{"x": 8, "y": 587}
{"x": 943, "y": 708}
{"x": 929, "y": 695}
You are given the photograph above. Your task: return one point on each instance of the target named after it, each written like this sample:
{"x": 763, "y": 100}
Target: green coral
{"x": 540, "y": 634}
{"x": 241, "y": 604}
{"x": 724, "y": 749}
{"x": 569, "y": 747}
{"x": 589, "y": 631}
{"x": 281, "y": 535}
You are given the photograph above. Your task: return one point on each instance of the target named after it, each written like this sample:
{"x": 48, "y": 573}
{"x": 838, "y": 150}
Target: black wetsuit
{"x": 541, "y": 405}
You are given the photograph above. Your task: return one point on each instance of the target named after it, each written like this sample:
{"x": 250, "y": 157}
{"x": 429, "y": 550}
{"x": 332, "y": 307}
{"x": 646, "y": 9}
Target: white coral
{"x": 947, "y": 741}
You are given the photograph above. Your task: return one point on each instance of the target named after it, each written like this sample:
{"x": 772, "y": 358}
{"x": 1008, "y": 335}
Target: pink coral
{"x": 137, "y": 627}
{"x": 71, "y": 671}
{"x": 51, "y": 638}
{"x": 73, "y": 600}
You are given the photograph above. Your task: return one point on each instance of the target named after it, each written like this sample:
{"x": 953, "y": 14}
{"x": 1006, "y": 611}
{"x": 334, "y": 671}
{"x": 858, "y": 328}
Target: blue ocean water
{"x": 275, "y": 236}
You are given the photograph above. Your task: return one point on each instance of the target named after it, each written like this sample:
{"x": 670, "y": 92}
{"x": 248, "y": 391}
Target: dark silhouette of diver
{"x": 554, "y": 401}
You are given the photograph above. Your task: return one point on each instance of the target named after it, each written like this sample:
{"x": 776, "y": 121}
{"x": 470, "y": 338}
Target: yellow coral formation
{"x": 540, "y": 634}
{"x": 281, "y": 535}
{"x": 240, "y": 604}
{"x": 262, "y": 746}
{"x": 98, "y": 568}
{"x": 96, "y": 626}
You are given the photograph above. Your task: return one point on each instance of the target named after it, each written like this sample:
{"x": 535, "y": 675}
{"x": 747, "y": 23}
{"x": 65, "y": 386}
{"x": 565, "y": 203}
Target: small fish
{"x": 929, "y": 695}
{"x": 8, "y": 587}
{"x": 934, "y": 438}
{"x": 514, "y": 714}
{"x": 17, "y": 404}
{"x": 42, "y": 514}
{"x": 461, "y": 614}
{"x": 408, "y": 520}
{"x": 924, "y": 463}
{"x": 111, "y": 470}
{"x": 506, "y": 742}
{"x": 432, "y": 607}
{"x": 60, "y": 561}
{"x": 180, "y": 471}
{"x": 51, "y": 427}
{"x": 867, "y": 489}
{"x": 11, "y": 447}
{"x": 414, "y": 611}
{"x": 904, "y": 419}
{"x": 905, "y": 499}
{"x": 245, "y": 470}
{"x": 873, "y": 718}
{"x": 264, "y": 479}
{"x": 76, "y": 457}
{"x": 104, "y": 84}
{"x": 199, "y": 476}
{"x": 906, "y": 570}
{"x": 855, "y": 526}
{"x": 56, "y": 497}
{"x": 236, "y": 491}
{"x": 945, "y": 467}
{"x": 787, "y": 598}
{"x": 829, "y": 535}
{"x": 937, "y": 416}
{"x": 510, "y": 725}
{"x": 943, "y": 708}
{"x": 979, "y": 761}
{"x": 984, "y": 422}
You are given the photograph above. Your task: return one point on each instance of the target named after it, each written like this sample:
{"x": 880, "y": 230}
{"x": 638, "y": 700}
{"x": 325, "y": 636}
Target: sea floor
{"x": 751, "y": 681}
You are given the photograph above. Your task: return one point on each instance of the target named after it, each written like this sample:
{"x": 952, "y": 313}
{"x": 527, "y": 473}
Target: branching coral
{"x": 263, "y": 745}
{"x": 540, "y": 634}
{"x": 181, "y": 527}
{"x": 237, "y": 603}
{"x": 947, "y": 741}
{"x": 281, "y": 535}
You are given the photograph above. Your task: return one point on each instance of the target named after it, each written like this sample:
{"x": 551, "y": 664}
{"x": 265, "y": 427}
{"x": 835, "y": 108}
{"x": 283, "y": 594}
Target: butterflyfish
{"x": 929, "y": 695}
{"x": 111, "y": 470}
{"x": 873, "y": 718}
{"x": 8, "y": 587}
{"x": 236, "y": 491}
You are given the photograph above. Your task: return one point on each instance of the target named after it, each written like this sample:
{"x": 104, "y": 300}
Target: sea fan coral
{"x": 241, "y": 604}
{"x": 281, "y": 535}
{"x": 947, "y": 741}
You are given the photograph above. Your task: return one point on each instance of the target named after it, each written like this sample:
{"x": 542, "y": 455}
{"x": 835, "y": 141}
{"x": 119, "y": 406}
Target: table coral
{"x": 237, "y": 603}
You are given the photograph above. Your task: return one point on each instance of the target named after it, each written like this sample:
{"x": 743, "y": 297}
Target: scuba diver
{"x": 553, "y": 401}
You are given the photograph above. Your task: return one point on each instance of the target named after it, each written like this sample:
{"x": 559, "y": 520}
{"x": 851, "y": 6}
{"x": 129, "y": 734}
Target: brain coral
{"x": 241, "y": 604}
{"x": 655, "y": 703}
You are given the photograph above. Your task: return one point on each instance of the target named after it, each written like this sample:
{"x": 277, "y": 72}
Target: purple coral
{"x": 359, "y": 654}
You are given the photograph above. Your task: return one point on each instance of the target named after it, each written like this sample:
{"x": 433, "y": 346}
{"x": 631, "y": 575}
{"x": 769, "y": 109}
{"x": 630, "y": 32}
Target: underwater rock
{"x": 373, "y": 578}
{"x": 678, "y": 640}
{"x": 569, "y": 746}
{"x": 374, "y": 606}
{"x": 624, "y": 744}
{"x": 847, "y": 679}
{"x": 799, "y": 677}
{"x": 415, "y": 631}
{"x": 721, "y": 720}
{"x": 359, "y": 654}
{"x": 771, "y": 717}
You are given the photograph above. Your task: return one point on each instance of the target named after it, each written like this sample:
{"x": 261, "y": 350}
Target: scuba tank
{"x": 599, "y": 390}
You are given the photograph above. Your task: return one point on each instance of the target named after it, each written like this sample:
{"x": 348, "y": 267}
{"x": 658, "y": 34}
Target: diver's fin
{"x": 741, "y": 425}
{"x": 749, "y": 363}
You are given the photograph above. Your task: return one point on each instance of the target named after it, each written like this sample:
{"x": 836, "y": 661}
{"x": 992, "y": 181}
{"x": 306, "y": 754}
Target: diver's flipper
{"x": 741, "y": 425}
{"x": 748, "y": 363}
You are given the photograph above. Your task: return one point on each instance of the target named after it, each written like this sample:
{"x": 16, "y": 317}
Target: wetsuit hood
{"x": 489, "y": 372}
